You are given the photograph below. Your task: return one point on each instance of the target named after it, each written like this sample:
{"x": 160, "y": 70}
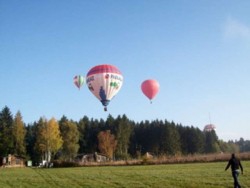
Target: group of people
{"x": 236, "y": 167}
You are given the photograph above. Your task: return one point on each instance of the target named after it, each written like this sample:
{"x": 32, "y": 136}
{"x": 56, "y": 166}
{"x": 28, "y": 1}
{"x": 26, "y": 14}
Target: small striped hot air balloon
{"x": 79, "y": 81}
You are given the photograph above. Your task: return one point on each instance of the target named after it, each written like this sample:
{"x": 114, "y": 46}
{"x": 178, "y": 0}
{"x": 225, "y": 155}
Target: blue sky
{"x": 199, "y": 51}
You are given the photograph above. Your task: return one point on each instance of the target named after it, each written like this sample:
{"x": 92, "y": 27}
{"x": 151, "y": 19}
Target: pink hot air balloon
{"x": 150, "y": 88}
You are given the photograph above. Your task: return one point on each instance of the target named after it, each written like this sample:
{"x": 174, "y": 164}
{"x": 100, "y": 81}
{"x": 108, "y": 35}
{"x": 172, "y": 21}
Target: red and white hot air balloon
{"x": 104, "y": 81}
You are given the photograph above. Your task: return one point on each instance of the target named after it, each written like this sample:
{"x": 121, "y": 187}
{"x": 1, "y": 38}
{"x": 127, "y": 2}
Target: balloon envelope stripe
{"x": 103, "y": 69}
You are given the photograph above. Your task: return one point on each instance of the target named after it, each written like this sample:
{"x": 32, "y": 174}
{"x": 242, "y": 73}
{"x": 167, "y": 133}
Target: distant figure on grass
{"x": 235, "y": 165}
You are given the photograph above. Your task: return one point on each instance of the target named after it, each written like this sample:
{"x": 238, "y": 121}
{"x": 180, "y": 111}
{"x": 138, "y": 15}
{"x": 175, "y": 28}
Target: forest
{"x": 118, "y": 138}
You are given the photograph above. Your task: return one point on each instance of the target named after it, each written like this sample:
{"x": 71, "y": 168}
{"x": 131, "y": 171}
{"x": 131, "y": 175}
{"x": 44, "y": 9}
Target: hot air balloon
{"x": 150, "y": 88}
{"x": 79, "y": 81}
{"x": 209, "y": 128}
{"x": 104, "y": 81}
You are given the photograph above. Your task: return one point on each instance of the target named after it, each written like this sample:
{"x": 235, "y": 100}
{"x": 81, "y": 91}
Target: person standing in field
{"x": 235, "y": 167}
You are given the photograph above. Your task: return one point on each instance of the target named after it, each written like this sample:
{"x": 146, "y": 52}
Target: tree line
{"x": 117, "y": 138}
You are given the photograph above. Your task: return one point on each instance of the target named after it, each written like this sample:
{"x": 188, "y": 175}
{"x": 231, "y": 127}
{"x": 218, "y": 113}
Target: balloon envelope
{"x": 150, "y": 88}
{"x": 104, "y": 81}
{"x": 79, "y": 81}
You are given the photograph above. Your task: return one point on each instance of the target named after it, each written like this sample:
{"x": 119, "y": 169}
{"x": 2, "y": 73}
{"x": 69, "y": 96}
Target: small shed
{"x": 12, "y": 161}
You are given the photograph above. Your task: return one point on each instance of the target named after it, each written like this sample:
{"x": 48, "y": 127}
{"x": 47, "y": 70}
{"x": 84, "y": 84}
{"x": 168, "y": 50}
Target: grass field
{"x": 201, "y": 175}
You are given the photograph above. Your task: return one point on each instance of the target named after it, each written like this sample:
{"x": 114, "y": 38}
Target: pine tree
{"x": 6, "y": 132}
{"x": 123, "y": 134}
{"x": 211, "y": 142}
{"x": 30, "y": 139}
{"x": 170, "y": 139}
{"x": 92, "y": 130}
{"x": 82, "y": 130}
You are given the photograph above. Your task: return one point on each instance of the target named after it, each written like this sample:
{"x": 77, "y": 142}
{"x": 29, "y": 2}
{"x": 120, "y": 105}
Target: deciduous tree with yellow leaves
{"x": 49, "y": 140}
{"x": 19, "y": 133}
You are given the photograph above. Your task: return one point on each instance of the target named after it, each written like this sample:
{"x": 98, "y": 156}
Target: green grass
{"x": 203, "y": 175}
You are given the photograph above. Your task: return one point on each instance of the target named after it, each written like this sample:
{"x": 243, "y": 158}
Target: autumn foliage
{"x": 107, "y": 143}
{"x": 49, "y": 140}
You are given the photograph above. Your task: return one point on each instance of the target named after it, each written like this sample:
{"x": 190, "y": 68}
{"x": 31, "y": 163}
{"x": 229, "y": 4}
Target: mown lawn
{"x": 201, "y": 175}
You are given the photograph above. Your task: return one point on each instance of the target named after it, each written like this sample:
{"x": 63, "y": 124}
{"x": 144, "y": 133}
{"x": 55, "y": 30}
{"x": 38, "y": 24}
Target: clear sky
{"x": 199, "y": 51}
